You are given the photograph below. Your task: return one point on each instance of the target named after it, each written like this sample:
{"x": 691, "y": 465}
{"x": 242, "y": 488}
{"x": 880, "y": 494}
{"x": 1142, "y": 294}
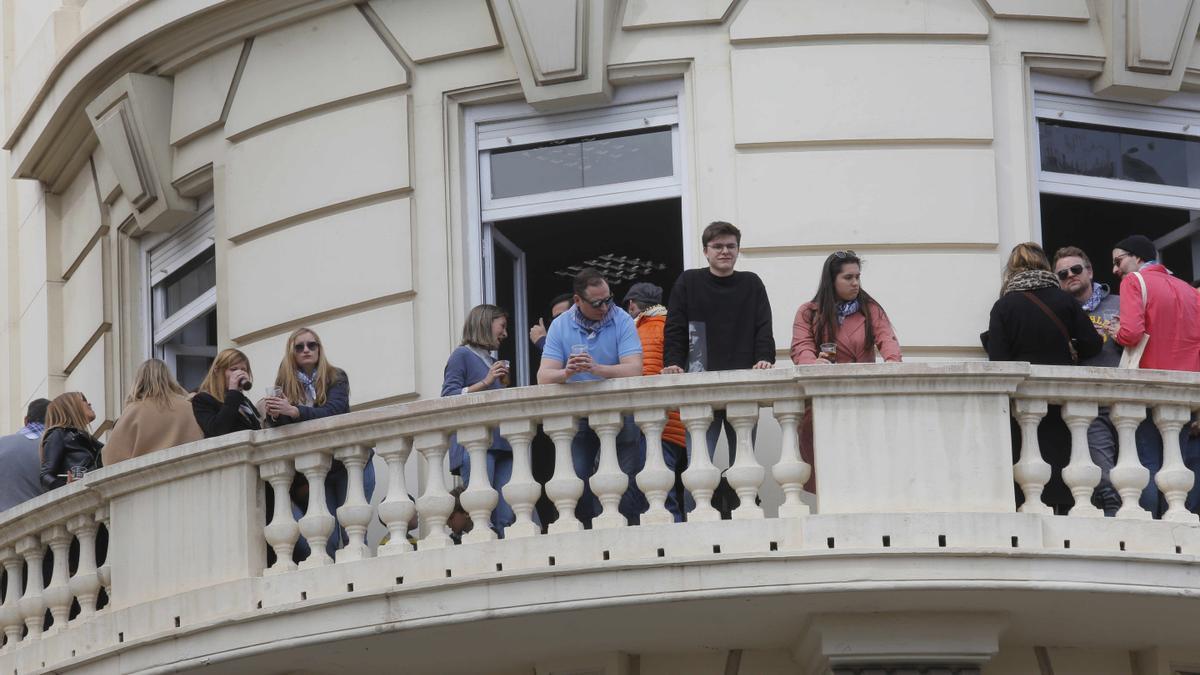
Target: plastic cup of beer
{"x": 829, "y": 349}
{"x": 76, "y": 473}
{"x": 579, "y": 350}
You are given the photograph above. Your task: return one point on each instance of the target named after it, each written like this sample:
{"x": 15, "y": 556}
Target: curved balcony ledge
{"x": 916, "y": 494}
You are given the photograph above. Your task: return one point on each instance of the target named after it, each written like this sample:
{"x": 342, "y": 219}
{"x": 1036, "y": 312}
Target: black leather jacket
{"x": 64, "y": 448}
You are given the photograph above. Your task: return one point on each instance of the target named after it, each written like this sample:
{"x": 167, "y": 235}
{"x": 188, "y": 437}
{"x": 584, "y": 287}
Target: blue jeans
{"x": 631, "y": 456}
{"x": 714, "y": 433}
{"x": 1150, "y": 453}
{"x": 499, "y": 468}
{"x": 337, "y": 481}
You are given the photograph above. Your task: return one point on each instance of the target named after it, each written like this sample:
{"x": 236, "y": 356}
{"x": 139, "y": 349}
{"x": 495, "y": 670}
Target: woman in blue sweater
{"x": 472, "y": 368}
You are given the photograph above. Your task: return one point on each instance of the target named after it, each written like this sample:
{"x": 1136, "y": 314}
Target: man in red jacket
{"x": 1171, "y": 317}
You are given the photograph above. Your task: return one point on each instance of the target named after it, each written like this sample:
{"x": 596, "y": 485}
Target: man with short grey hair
{"x": 20, "y": 468}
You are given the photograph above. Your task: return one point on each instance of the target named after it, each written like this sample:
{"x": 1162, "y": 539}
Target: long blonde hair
{"x": 214, "y": 382}
{"x": 66, "y": 411}
{"x": 153, "y": 382}
{"x": 285, "y": 379}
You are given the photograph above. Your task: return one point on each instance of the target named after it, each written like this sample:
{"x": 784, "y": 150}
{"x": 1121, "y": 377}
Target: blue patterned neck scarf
{"x": 32, "y": 430}
{"x": 592, "y": 328}
{"x": 310, "y": 390}
{"x": 1098, "y": 293}
{"x": 846, "y": 308}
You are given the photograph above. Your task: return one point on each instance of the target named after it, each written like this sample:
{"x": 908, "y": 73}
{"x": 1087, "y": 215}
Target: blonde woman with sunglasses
{"x": 309, "y": 387}
{"x": 68, "y": 449}
{"x": 157, "y": 415}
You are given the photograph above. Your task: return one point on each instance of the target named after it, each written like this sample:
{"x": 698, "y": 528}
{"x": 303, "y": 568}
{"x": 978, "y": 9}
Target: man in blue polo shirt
{"x": 591, "y": 341}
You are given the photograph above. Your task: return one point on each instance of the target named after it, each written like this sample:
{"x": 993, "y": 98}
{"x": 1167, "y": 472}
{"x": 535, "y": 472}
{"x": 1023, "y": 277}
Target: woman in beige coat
{"x": 157, "y": 415}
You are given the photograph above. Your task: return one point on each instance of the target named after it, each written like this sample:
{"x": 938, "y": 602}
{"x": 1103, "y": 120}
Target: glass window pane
{"x": 1079, "y": 151}
{"x": 539, "y": 169}
{"x": 192, "y": 350}
{"x": 190, "y": 370}
{"x": 618, "y": 159}
{"x": 190, "y": 282}
{"x": 1154, "y": 159}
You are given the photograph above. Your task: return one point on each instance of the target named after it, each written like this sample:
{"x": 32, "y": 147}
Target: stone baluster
{"x": 1081, "y": 474}
{"x": 58, "y": 593}
{"x": 791, "y": 472}
{"x": 1031, "y": 471}
{"x": 33, "y": 603}
{"x": 480, "y": 498}
{"x": 398, "y": 509}
{"x": 702, "y": 476}
{"x": 746, "y": 475}
{"x": 283, "y": 531}
{"x": 317, "y": 523}
{"x": 436, "y": 503}
{"x": 1129, "y": 477}
{"x": 85, "y": 585}
{"x": 105, "y": 570}
{"x": 355, "y": 514}
{"x": 522, "y": 491}
{"x": 609, "y": 482}
{"x": 11, "y": 618}
{"x": 1174, "y": 478}
{"x": 564, "y": 488}
{"x": 655, "y": 480}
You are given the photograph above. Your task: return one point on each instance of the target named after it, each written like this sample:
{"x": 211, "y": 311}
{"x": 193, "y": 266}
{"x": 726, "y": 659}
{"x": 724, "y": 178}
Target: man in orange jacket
{"x": 644, "y": 304}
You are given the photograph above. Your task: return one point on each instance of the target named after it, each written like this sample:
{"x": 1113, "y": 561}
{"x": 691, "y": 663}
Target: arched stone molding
{"x": 560, "y": 48}
{"x": 1149, "y": 45}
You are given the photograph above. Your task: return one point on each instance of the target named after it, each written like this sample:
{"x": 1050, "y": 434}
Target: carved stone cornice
{"x": 560, "y": 48}
{"x": 1149, "y": 45}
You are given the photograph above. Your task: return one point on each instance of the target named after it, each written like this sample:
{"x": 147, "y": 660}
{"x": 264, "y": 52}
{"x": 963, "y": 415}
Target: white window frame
{"x": 180, "y": 247}
{"x": 501, "y": 125}
{"x": 1071, "y": 100}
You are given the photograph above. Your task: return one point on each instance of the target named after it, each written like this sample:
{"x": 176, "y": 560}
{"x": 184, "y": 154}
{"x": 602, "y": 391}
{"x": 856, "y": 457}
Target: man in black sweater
{"x": 718, "y": 319}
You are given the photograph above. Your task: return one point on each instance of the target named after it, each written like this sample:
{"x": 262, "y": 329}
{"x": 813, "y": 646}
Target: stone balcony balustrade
{"x": 914, "y": 464}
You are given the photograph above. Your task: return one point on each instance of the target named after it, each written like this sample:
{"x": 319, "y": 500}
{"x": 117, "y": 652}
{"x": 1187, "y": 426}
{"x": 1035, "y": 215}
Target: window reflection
{"x": 582, "y": 162}
{"x": 1122, "y": 154}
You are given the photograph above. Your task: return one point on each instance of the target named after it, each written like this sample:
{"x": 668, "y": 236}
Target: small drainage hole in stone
{"x": 829, "y": 542}
{"x": 447, "y": 573}
{"x": 661, "y": 553}
{"x": 1066, "y": 543}
{"x": 606, "y": 556}
{"x": 303, "y": 595}
{"x": 499, "y": 567}
{"x": 1179, "y": 549}
{"x": 120, "y": 637}
{"x": 1015, "y": 542}
{"x": 177, "y": 622}
{"x": 349, "y": 588}
{"x": 399, "y": 581}
{"x": 774, "y": 546}
{"x": 887, "y": 541}
{"x": 716, "y": 548}
{"x": 1122, "y": 546}
{"x": 552, "y": 561}
{"x": 942, "y": 540}
{"x": 260, "y": 604}
{"x": 72, "y": 653}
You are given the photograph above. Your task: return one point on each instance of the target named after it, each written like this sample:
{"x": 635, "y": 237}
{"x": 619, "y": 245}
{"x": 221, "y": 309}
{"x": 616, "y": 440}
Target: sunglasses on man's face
{"x": 311, "y": 346}
{"x": 1073, "y": 270}
{"x": 597, "y": 304}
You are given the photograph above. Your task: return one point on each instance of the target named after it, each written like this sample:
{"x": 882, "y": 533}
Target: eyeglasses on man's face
{"x": 601, "y": 302}
{"x": 723, "y": 247}
{"x": 311, "y": 346}
{"x": 1073, "y": 270}
{"x": 1117, "y": 260}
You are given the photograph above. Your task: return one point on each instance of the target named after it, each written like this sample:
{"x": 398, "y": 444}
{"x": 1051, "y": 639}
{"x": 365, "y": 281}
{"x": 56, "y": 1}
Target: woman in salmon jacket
{"x": 841, "y": 324}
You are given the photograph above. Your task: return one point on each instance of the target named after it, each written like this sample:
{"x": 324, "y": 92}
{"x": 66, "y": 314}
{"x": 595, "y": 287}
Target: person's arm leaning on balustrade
{"x": 885, "y": 334}
{"x": 804, "y": 347}
{"x": 1088, "y": 342}
{"x": 764, "y": 336}
{"x": 675, "y": 332}
{"x": 54, "y": 457}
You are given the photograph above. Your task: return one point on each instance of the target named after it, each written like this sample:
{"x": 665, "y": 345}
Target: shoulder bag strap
{"x": 1057, "y": 322}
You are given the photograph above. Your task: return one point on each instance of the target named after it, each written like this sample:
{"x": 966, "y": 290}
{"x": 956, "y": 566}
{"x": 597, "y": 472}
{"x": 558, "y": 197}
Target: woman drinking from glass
{"x": 220, "y": 406}
{"x": 842, "y": 323}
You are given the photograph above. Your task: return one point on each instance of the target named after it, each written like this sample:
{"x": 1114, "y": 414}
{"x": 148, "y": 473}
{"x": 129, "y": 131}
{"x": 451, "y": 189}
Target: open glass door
{"x": 505, "y": 279}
